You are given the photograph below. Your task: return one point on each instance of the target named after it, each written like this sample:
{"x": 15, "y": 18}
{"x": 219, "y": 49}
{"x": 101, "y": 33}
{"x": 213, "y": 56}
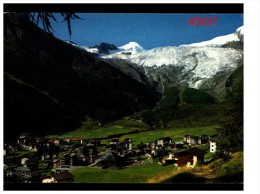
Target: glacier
{"x": 203, "y": 60}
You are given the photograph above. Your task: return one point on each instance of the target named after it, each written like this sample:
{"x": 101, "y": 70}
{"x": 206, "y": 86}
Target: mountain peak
{"x": 132, "y": 47}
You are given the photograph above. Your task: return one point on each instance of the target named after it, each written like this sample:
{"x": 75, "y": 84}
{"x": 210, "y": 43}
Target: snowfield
{"x": 201, "y": 60}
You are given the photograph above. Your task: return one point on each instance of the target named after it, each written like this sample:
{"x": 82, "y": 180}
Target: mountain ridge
{"x": 190, "y": 66}
{"x": 50, "y": 85}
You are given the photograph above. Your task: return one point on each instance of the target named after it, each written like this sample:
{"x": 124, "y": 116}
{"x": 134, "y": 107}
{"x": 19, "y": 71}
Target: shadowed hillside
{"x": 50, "y": 85}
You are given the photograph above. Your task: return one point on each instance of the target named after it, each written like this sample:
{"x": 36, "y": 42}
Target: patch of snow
{"x": 133, "y": 47}
{"x": 218, "y": 41}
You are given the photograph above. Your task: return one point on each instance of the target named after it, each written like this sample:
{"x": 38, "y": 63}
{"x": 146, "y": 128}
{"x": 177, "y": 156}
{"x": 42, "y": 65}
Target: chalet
{"x": 125, "y": 145}
{"x": 169, "y": 160}
{"x": 105, "y": 161}
{"x": 190, "y": 157}
{"x": 63, "y": 177}
{"x": 177, "y": 145}
{"x": 158, "y": 152}
{"x": 186, "y": 139}
{"x": 190, "y": 139}
{"x": 167, "y": 140}
{"x": 152, "y": 145}
{"x": 23, "y": 138}
{"x": 194, "y": 140}
{"x": 203, "y": 139}
{"x": 141, "y": 148}
{"x": 128, "y": 144}
{"x": 213, "y": 143}
{"x": 159, "y": 142}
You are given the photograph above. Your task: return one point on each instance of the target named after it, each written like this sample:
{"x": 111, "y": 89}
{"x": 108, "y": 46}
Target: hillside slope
{"x": 50, "y": 85}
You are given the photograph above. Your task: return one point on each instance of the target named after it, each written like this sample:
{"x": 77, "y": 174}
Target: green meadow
{"x": 133, "y": 174}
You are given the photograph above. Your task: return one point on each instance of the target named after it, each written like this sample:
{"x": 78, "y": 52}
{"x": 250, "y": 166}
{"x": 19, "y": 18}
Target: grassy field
{"x": 101, "y": 132}
{"x": 218, "y": 171}
{"x": 175, "y": 134}
{"x": 134, "y": 174}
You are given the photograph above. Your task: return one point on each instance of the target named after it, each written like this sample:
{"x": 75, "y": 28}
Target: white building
{"x": 212, "y": 146}
{"x": 213, "y": 143}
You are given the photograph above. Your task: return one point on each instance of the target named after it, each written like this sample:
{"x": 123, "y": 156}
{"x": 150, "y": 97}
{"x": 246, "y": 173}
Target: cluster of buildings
{"x": 198, "y": 140}
{"x": 51, "y": 160}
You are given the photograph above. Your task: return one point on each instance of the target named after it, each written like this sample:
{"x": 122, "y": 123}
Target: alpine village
{"x": 72, "y": 115}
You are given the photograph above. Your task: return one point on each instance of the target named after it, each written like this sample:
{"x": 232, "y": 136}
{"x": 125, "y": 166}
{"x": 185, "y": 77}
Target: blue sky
{"x": 149, "y": 30}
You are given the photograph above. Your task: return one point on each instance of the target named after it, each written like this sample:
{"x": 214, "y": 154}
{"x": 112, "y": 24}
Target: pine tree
{"x": 45, "y": 19}
{"x": 231, "y": 133}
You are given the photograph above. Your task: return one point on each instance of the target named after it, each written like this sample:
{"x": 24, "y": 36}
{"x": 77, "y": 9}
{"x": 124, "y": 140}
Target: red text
{"x": 201, "y": 21}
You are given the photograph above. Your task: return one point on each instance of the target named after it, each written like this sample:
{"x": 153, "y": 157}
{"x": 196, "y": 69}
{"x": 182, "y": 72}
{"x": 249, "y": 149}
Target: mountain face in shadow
{"x": 51, "y": 86}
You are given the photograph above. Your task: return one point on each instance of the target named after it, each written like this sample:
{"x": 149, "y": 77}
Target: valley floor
{"x": 215, "y": 172}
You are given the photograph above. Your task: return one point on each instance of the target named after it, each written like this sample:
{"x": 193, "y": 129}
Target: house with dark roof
{"x": 189, "y": 157}
{"x": 192, "y": 139}
{"x": 167, "y": 140}
{"x": 108, "y": 160}
{"x": 186, "y": 139}
{"x": 202, "y": 139}
{"x": 177, "y": 145}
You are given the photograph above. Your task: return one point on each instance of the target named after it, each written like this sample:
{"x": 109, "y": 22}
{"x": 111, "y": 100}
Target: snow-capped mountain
{"x": 191, "y": 65}
{"x": 104, "y": 49}
{"x": 221, "y": 40}
{"x": 132, "y": 47}
{"x": 194, "y": 64}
